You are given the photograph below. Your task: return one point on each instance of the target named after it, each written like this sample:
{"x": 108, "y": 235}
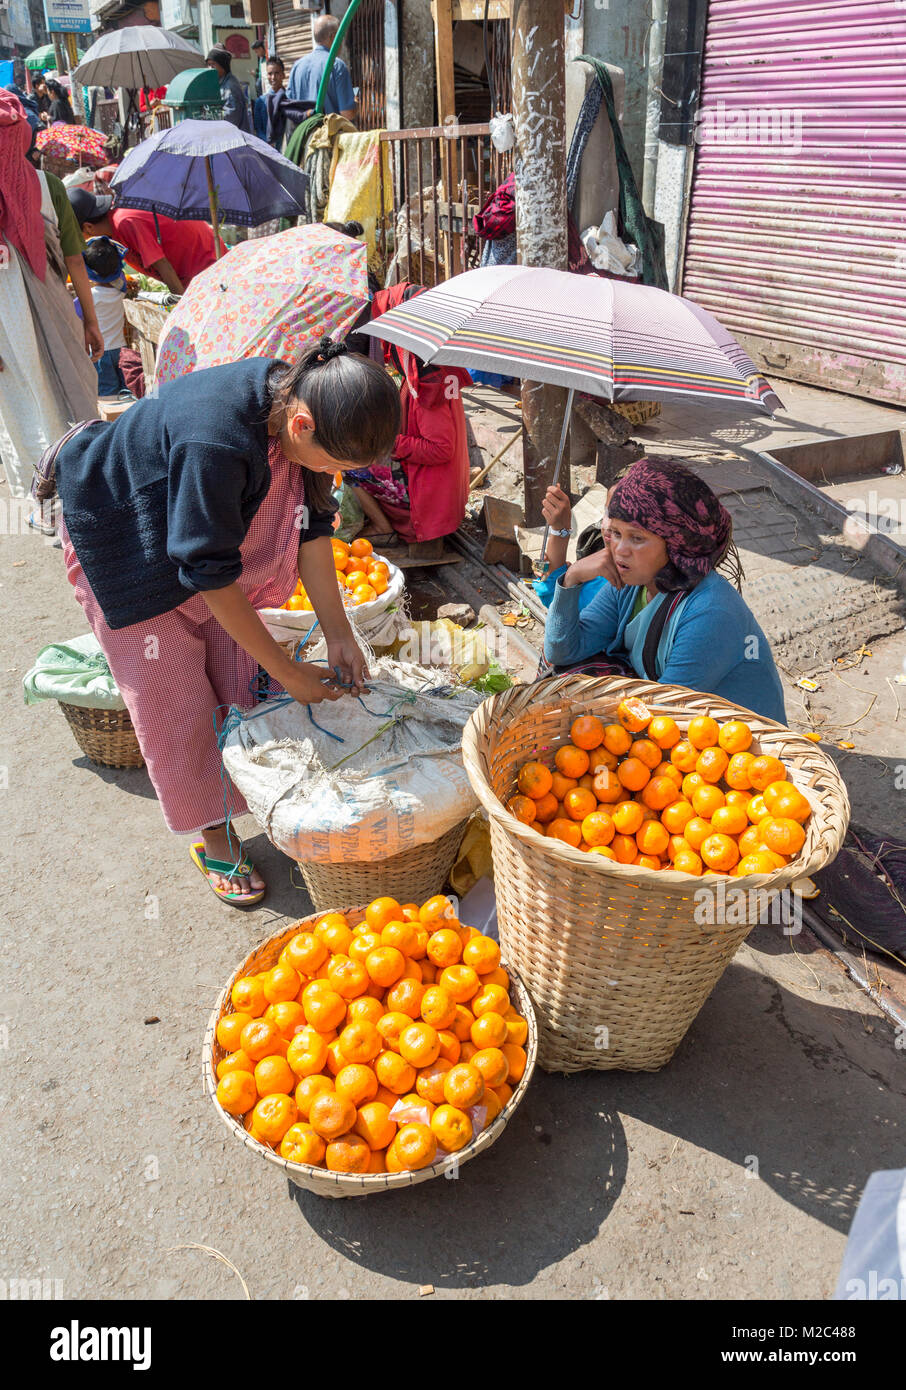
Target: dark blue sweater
{"x": 158, "y": 502}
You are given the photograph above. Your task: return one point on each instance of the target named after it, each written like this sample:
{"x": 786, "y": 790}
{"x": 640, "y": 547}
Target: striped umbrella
{"x": 616, "y": 339}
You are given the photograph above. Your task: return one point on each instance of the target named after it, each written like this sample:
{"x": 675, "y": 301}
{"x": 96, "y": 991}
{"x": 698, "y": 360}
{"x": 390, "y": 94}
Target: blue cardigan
{"x": 710, "y": 643}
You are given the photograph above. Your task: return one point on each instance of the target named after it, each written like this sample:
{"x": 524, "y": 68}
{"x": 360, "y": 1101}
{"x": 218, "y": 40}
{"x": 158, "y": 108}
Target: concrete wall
{"x": 416, "y": 64}
{"x": 618, "y": 34}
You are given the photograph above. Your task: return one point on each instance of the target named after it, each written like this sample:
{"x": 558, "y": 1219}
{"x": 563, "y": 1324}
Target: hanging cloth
{"x": 634, "y": 223}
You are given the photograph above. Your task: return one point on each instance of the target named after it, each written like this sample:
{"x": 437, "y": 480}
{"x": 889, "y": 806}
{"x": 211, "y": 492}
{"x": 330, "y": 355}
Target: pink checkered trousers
{"x": 175, "y": 670}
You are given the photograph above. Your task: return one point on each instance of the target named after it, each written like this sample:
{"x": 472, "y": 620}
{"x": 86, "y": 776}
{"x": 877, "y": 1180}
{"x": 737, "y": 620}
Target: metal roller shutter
{"x": 292, "y": 31}
{"x": 796, "y": 238}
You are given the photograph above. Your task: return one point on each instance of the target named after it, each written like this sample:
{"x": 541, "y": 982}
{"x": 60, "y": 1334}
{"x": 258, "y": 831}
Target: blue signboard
{"x": 68, "y": 16}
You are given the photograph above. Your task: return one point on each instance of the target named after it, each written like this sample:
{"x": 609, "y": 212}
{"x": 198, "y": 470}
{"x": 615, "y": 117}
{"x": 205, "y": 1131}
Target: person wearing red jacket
{"x": 419, "y": 494}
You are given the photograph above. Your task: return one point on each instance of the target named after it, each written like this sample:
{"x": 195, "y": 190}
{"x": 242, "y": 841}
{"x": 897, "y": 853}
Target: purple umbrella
{"x": 199, "y": 169}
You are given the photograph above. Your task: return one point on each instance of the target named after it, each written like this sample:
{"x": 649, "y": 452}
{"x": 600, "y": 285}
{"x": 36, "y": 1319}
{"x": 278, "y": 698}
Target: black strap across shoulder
{"x": 668, "y": 605}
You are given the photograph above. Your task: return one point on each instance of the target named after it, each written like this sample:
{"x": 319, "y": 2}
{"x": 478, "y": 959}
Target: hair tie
{"x": 329, "y": 350}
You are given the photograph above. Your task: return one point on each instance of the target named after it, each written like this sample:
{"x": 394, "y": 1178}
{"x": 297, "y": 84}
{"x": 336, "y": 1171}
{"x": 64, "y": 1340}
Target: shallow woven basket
{"x": 636, "y": 412}
{"x": 321, "y": 1180}
{"x": 106, "y": 736}
{"x": 617, "y": 966}
{"x": 409, "y": 877}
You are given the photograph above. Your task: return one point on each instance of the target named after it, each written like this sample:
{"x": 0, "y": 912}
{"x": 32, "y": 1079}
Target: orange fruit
{"x": 587, "y": 732}
{"x": 272, "y": 1117}
{"x": 504, "y": 1092}
{"x": 759, "y": 862}
{"x": 300, "y": 1144}
{"x": 516, "y": 1056}
{"x": 335, "y": 1059}
{"x": 668, "y": 770}
{"x": 419, "y": 1044}
{"x": 516, "y": 1027}
{"x": 566, "y": 830}
{"x": 617, "y": 740}
{"x": 719, "y": 852}
{"x": 571, "y": 761}
{"x": 778, "y": 859}
{"x": 695, "y": 831}
{"x": 390, "y": 1026}
{"x": 355, "y": 575}
{"x": 374, "y": 1125}
{"x": 229, "y": 1028}
{"x": 385, "y": 965}
{"x": 357, "y": 1083}
{"x": 237, "y": 1093}
{"x": 488, "y": 1030}
{"x": 560, "y": 785}
{"x": 412, "y": 971}
{"x": 703, "y": 732}
{"x": 482, "y": 953}
{"x": 462, "y": 1024}
{"x": 429, "y": 1083}
{"x": 786, "y": 801}
{"x": 394, "y": 1072}
{"x": 350, "y": 1154}
{"x": 360, "y": 1041}
{"x": 765, "y": 769}
{"x": 735, "y": 736}
{"x": 378, "y": 581}
{"x": 286, "y": 1017}
{"x": 378, "y": 1163}
{"x": 236, "y": 1061}
{"x": 405, "y": 997}
{"x": 324, "y": 1009}
{"x": 340, "y": 549}
{"x": 437, "y": 912}
{"x": 627, "y": 817}
{"x": 624, "y": 848}
{"x": 451, "y": 1127}
{"x": 381, "y": 911}
{"x": 688, "y": 862}
{"x": 602, "y": 757}
{"x": 444, "y": 947}
{"x": 633, "y": 774}
{"x": 295, "y": 603}
{"x": 658, "y": 793}
{"x": 598, "y": 829}
{"x": 274, "y": 1076}
{"x": 491, "y": 999}
{"x": 633, "y": 714}
{"x": 706, "y": 800}
{"x": 691, "y": 782}
{"x": 546, "y": 808}
{"x": 730, "y": 820}
{"x": 463, "y": 1085}
{"x": 438, "y": 1008}
{"x": 329, "y": 921}
{"x": 749, "y": 841}
{"x": 523, "y": 808}
{"x": 756, "y": 810}
{"x": 491, "y": 1062}
{"x": 607, "y": 786}
{"x": 579, "y": 803}
{"x": 360, "y": 946}
{"x": 675, "y": 844}
{"x": 461, "y": 981}
{"x": 604, "y": 851}
{"x": 364, "y": 593}
{"x": 349, "y": 978}
{"x": 403, "y": 935}
{"x": 676, "y": 816}
{"x": 248, "y": 996}
{"x": 652, "y": 838}
{"x": 534, "y": 780}
{"x": 737, "y": 771}
{"x": 496, "y": 977}
{"x": 684, "y": 755}
{"x": 259, "y": 1039}
{"x": 647, "y": 861}
{"x": 336, "y": 935}
{"x": 414, "y": 1146}
{"x": 711, "y": 764}
{"x": 361, "y": 547}
{"x": 305, "y": 953}
{"x": 664, "y": 731}
{"x": 738, "y": 798}
{"x": 450, "y": 1046}
{"x": 782, "y": 835}
{"x": 309, "y": 1087}
{"x": 646, "y": 752}
{"x": 331, "y": 1115}
{"x": 491, "y": 1104}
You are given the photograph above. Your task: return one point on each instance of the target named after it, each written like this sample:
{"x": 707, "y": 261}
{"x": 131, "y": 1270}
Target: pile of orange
{"x": 373, "y": 1045}
{"x": 639, "y": 791}
{"x": 361, "y": 575}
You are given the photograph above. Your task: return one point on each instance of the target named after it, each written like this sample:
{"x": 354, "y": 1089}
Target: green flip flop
{"x": 208, "y": 866}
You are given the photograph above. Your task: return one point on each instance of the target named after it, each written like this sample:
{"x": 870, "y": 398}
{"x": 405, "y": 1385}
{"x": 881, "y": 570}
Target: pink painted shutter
{"x": 796, "y": 238}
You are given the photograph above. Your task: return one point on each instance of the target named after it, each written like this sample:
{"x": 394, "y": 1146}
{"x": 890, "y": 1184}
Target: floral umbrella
{"x": 78, "y": 142}
{"x": 275, "y": 296}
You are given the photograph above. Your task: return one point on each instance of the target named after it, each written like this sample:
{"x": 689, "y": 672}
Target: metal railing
{"x": 441, "y": 176}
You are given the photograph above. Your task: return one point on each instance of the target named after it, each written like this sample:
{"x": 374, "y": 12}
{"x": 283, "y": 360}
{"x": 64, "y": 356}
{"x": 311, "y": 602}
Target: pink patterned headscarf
{"x": 672, "y": 502}
{"x": 20, "y": 188}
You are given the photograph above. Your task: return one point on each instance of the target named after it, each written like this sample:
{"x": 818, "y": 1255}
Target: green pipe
{"x": 334, "y": 50}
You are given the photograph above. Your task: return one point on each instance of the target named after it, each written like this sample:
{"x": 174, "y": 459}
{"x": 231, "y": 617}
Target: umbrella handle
{"x": 212, "y": 199}
{"x": 542, "y": 565}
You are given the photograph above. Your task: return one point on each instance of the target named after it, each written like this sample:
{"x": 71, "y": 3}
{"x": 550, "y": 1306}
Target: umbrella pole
{"x": 212, "y": 199}
{"x": 567, "y": 415}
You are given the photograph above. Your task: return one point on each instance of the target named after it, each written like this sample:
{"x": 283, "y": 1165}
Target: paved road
{"x": 732, "y": 1173}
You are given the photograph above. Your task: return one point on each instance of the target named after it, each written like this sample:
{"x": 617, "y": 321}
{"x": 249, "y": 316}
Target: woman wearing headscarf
{"x": 664, "y": 609}
{"x": 47, "y": 380}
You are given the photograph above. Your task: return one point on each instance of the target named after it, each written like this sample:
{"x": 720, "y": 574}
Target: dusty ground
{"x": 733, "y": 1173}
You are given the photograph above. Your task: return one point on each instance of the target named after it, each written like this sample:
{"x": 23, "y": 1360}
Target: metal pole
{"x": 539, "y": 107}
{"x": 567, "y": 416}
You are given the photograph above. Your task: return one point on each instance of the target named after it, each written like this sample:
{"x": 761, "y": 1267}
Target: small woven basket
{"x": 409, "y": 877}
{"x": 321, "y": 1180}
{"x": 106, "y": 736}
{"x": 636, "y": 412}
{"x": 616, "y": 962}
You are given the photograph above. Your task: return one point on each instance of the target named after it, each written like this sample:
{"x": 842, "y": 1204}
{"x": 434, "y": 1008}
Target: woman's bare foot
{"x": 219, "y": 845}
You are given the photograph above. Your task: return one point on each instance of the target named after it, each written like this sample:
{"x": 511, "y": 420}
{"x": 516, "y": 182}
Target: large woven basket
{"x": 617, "y": 965}
{"x": 409, "y": 877}
{"x": 321, "y": 1180}
{"x": 106, "y": 736}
